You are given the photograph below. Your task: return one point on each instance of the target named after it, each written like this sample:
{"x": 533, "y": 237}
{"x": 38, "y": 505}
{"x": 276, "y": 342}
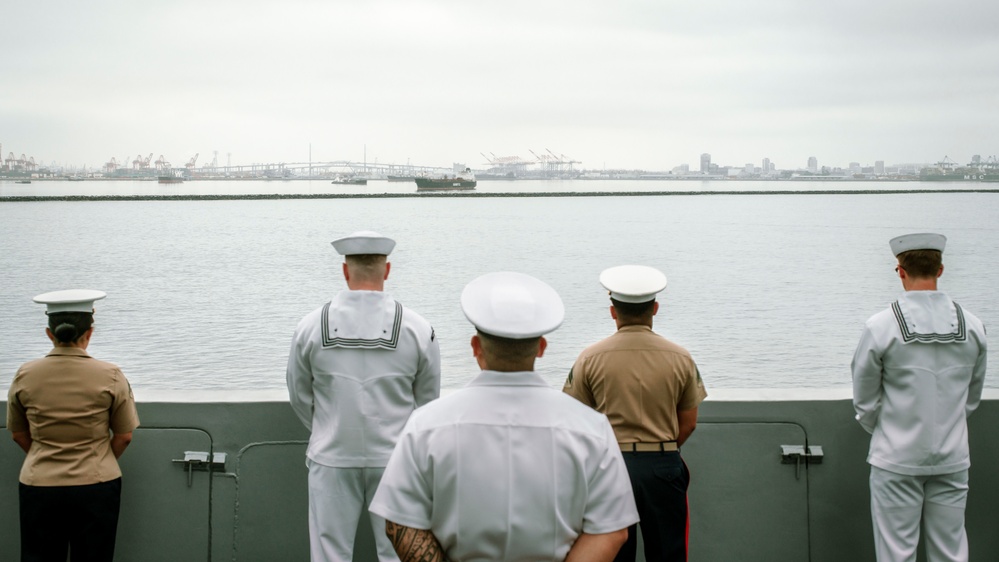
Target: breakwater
{"x": 466, "y": 194}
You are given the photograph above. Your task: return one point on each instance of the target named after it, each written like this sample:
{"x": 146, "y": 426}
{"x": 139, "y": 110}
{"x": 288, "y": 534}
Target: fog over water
{"x": 765, "y": 290}
{"x": 647, "y": 84}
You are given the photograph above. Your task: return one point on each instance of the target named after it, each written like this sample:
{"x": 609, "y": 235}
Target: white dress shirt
{"x": 507, "y": 468}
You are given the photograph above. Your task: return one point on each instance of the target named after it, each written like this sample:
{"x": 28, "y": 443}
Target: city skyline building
{"x": 813, "y": 164}
{"x": 705, "y": 163}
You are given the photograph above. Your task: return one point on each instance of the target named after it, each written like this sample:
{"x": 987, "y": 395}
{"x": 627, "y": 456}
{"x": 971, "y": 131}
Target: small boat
{"x": 75, "y": 178}
{"x": 462, "y": 182}
{"x": 23, "y": 181}
{"x": 341, "y": 180}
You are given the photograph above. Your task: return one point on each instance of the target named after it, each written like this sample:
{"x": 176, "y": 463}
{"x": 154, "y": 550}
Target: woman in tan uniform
{"x": 73, "y": 415}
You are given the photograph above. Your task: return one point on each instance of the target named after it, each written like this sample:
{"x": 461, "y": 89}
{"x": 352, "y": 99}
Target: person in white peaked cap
{"x": 358, "y": 366}
{"x": 73, "y": 415}
{"x": 918, "y": 373}
{"x": 650, "y": 388}
{"x": 507, "y": 468}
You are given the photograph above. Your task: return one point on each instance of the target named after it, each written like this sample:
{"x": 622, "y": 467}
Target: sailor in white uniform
{"x": 358, "y": 367}
{"x": 918, "y": 373}
{"x": 507, "y": 468}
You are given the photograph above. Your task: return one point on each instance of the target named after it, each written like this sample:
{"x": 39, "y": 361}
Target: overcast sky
{"x": 628, "y": 84}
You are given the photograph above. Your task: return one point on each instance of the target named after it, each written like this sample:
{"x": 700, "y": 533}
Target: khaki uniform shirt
{"x": 639, "y": 379}
{"x": 69, "y": 401}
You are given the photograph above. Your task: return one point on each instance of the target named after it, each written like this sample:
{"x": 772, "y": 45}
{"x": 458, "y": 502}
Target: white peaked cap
{"x": 633, "y": 283}
{"x": 71, "y": 300}
{"x": 920, "y": 241}
{"x": 364, "y": 242}
{"x": 512, "y": 305}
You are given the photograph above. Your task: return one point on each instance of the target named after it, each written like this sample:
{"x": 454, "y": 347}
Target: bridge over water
{"x": 289, "y": 169}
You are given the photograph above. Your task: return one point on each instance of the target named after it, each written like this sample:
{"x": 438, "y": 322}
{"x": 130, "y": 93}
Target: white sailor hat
{"x": 364, "y": 242}
{"x": 633, "y": 283}
{"x": 512, "y": 305}
{"x": 920, "y": 241}
{"x": 71, "y": 300}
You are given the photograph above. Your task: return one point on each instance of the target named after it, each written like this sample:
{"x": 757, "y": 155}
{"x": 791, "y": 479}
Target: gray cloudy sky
{"x": 629, "y": 84}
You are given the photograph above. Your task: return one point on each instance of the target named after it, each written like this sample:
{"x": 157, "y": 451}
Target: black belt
{"x": 648, "y": 447}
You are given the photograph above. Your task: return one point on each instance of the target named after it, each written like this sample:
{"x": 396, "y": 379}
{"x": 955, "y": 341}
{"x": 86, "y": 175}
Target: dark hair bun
{"x": 65, "y": 332}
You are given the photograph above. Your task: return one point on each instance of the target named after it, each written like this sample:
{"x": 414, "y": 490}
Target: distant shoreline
{"x": 464, "y": 194}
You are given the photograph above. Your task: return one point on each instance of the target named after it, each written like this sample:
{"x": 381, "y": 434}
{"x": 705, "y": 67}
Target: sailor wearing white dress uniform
{"x": 507, "y": 468}
{"x": 358, "y": 367}
{"x": 918, "y": 372}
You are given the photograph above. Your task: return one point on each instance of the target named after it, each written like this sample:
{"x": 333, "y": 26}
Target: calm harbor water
{"x": 766, "y": 290}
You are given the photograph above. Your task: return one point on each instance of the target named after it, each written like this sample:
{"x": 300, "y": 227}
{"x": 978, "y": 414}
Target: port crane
{"x": 554, "y": 165}
{"x": 192, "y": 161}
{"x": 565, "y": 163}
{"x": 141, "y": 163}
{"x": 946, "y": 163}
{"x": 161, "y": 163}
{"x": 23, "y": 163}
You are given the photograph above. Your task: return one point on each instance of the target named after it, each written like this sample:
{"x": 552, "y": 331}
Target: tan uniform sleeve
{"x": 693, "y": 390}
{"x": 17, "y": 418}
{"x": 124, "y": 417}
{"x": 577, "y": 385}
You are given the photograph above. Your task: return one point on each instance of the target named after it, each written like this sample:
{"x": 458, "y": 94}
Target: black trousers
{"x": 659, "y": 481}
{"x": 82, "y": 520}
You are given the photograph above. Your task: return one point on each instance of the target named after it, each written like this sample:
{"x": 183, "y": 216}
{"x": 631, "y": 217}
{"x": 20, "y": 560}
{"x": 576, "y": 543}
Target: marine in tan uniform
{"x": 649, "y": 388}
{"x": 73, "y": 415}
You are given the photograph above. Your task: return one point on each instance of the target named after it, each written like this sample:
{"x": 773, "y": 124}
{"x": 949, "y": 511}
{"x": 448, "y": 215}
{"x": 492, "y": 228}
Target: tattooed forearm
{"x": 414, "y": 545}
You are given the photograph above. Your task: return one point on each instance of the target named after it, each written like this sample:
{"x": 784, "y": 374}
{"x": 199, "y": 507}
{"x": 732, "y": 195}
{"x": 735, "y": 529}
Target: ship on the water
{"x": 977, "y": 170}
{"x": 349, "y": 180}
{"x": 169, "y": 177}
{"x": 456, "y": 182}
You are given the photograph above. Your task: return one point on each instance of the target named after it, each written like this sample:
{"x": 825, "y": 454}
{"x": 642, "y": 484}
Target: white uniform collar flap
{"x": 929, "y": 316}
{"x": 364, "y": 319}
